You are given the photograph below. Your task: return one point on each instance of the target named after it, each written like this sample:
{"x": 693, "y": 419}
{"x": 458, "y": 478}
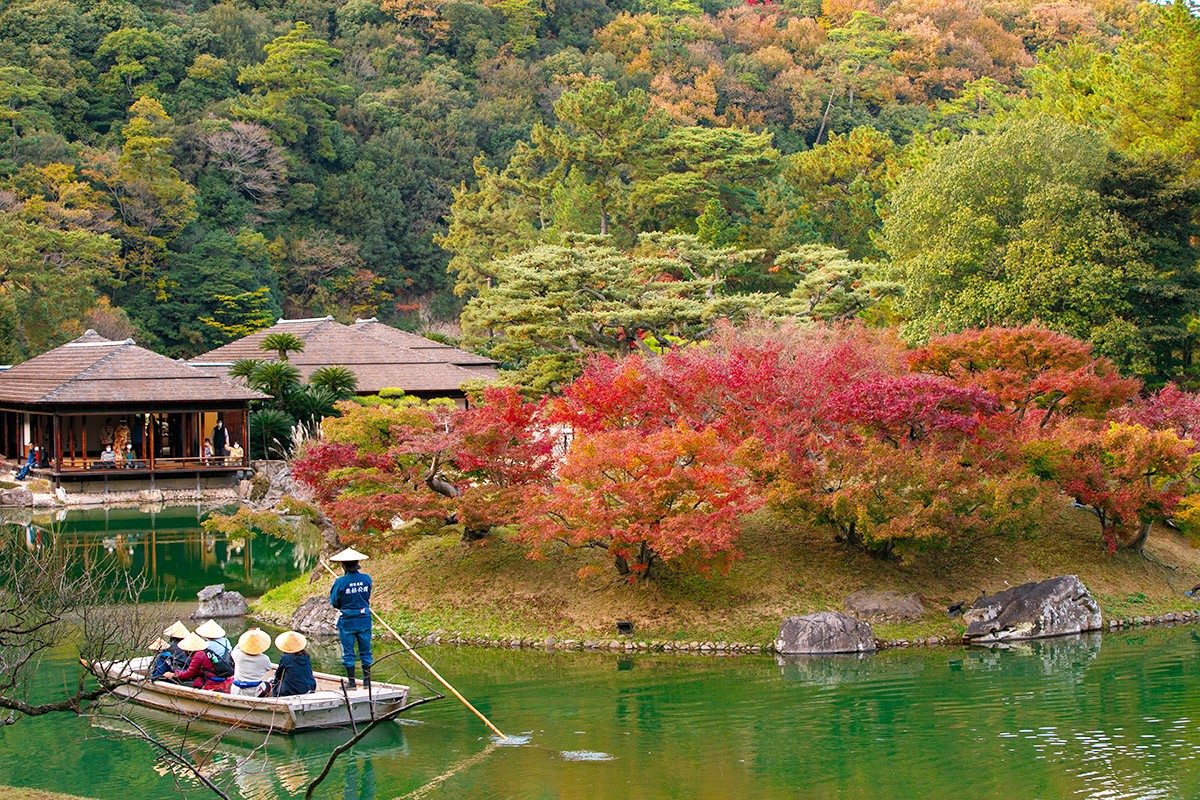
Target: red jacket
{"x": 199, "y": 670}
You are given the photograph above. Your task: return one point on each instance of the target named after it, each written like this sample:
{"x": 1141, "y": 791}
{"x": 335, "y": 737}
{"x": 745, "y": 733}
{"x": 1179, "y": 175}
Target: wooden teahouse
{"x": 76, "y": 399}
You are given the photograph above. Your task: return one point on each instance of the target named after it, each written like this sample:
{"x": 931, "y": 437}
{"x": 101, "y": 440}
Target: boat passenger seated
{"x": 250, "y": 665}
{"x": 200, "y": 672}
{"x": 221, "y": 653}
{"x": 218, "y": 645}
{"x": 294, "y": 675}
{"x": 170, "y": 658}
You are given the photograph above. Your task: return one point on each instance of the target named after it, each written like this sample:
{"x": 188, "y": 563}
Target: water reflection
{"x": 168, "y": 544}
{"x": 253, "y": 765}
{"x": 1090, "y": 717}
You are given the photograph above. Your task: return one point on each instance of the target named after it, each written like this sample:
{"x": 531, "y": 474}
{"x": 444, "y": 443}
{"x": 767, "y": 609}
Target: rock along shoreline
{"x": 717, "y": 648}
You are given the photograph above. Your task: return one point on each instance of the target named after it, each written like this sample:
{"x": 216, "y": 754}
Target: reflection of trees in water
{"x": 169, "y": 544}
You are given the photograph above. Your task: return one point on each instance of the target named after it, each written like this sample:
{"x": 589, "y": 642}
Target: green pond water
{"x": 168, "y": 546}
{"x": 1093, "y": 717}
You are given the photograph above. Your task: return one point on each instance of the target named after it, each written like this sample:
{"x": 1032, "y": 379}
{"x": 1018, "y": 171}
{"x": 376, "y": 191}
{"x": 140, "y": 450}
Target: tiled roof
{"x": 92, "y": 369}
{"x": 440, "y": 351}
{"x": 380, "y": 360}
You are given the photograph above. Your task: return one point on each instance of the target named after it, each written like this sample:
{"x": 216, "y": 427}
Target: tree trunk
{"x": 852, "y": 537}
{"x": 1138, "y": 544}
{"x": 442, "y": 486}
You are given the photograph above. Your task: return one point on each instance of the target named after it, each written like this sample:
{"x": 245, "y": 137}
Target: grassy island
{"x": 490, "y": 589}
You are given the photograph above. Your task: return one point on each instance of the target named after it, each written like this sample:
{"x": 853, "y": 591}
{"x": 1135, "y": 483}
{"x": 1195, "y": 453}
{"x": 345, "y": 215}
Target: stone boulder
{"x": 872, "y": 604}
{"x": 19, "y": 497}
{"x": 278, "y": 475}
{"x": 1054, "y": 607}
{"x": 315, "y": 616}
{"x": 824, "y": 632}
{"x": 215, "y": 602}
{"x": 150, "y": 496}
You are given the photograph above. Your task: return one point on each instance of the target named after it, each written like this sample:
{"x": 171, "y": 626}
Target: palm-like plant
{"x": 270, "y": 433}
{"x": 244, "y": 367}
{"x": 311, "y": 404}
{"x": 339, "y": 380}
{"x": 276, "y": 378}
{"x": 282, "y": 344}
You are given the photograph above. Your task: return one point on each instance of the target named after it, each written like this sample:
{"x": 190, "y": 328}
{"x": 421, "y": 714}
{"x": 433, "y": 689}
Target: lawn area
{"x": 492, "y": 589}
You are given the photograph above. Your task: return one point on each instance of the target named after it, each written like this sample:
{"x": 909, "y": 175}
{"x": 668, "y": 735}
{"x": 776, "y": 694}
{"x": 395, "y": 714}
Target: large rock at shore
{"x": 824, "y": 632}
{"x": 278, "y": 475}
{"x": 1054, "y": 607}
{"x": 315, "y": 616}
{"x": 216, "y": 602}
{"x": 19, "y": 497}
{"x": 872, "y": 604}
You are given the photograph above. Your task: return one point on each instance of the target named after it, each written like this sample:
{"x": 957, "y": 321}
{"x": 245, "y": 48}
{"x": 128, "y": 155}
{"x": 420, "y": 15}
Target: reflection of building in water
{"x": 169, "y": 545}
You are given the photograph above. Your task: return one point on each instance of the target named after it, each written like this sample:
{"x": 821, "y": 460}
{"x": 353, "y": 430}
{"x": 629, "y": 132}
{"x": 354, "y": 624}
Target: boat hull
{"x": 325, "y": 708}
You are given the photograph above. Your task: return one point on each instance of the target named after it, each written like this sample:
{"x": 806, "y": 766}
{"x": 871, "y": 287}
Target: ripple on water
{"x": 513, "y": 740}
{"x": 586, "y": 755}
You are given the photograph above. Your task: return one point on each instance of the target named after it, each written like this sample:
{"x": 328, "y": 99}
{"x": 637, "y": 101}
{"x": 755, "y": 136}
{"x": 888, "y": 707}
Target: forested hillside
{"x": 186, "y": 172}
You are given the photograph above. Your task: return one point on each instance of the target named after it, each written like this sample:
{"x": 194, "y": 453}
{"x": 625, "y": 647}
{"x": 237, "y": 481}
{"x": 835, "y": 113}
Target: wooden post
{"x": 245, "y": 437}
{"x": 57, "y": 443}
{"x": 154, "y": 432}
{"x": 83, "y": 428}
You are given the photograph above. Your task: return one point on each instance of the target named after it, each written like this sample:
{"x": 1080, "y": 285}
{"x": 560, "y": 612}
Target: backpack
{"x": 222, "y": 664}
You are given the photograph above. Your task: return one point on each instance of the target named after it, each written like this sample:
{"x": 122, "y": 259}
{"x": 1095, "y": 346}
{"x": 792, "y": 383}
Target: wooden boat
{"x": 327, "y": 707}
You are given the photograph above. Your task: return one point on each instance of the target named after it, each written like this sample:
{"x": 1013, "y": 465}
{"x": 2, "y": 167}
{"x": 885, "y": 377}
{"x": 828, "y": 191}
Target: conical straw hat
{"x": 349, "y": 554}
{"x": 176, "y": 630}
{"x": 290, "y": 642}
{"x": 158, "y": 645}
{"x": 211, "y": 630}
{"x": 193, "y": 643}
{"x": 254, "y": 642}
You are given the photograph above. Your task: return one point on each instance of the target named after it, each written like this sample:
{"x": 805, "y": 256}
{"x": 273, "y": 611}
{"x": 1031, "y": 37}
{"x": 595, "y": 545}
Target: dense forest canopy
{"x": 187, "y": 172}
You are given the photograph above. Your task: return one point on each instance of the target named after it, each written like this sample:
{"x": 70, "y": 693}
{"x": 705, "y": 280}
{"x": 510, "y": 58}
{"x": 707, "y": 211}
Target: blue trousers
{"x": 348, "y": 640}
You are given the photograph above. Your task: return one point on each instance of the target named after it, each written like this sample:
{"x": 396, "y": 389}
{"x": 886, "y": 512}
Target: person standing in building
{"x": 351, "y": 596}
{"x": 219, "y": 438}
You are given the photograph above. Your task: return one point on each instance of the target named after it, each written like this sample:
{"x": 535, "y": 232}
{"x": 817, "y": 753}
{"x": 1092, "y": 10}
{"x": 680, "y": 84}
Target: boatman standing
{"x": 351, "y": 596}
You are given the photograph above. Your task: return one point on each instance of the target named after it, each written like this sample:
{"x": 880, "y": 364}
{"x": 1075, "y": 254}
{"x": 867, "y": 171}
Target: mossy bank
{"x": 491, "y": 591}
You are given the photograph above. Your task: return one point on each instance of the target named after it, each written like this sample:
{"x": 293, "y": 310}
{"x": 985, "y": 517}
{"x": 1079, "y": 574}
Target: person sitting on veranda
{"x": 207, "y": 453}
{"x": 200, "y": 672}
{"x": 109, "y": 457}
{"x": 236, "y": 454}
{"x": 170, "y": 658}
{"x": 31, "y": 461}
{"x": 130, "y": 458}
{"x": 250, "y": 665}
{"x": 294, "y": 675}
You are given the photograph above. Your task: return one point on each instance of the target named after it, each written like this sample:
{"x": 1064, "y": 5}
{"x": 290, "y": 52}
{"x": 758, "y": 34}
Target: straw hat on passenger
{"x": 211, "y": 630}
{"x": 193, "y": 643}
{"x": 254, "y": 642}
{"x": 290, "y": 642}
{"x": 158, "y": 645}
{"x": 176, "y": 630}
{"x": 349, "y": 554}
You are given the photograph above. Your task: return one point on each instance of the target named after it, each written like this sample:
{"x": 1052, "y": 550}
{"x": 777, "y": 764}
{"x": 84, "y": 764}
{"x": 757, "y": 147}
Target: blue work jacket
{"x": 351, "y": 595}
